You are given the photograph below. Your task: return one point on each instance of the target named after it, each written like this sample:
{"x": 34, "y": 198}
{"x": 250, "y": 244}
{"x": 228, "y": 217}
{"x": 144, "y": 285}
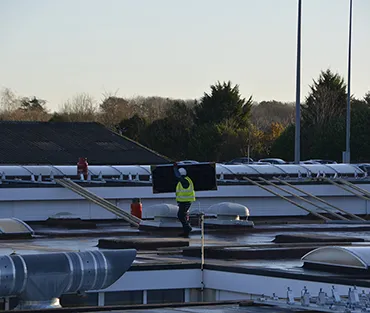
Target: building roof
{"x": 64, "y": 142}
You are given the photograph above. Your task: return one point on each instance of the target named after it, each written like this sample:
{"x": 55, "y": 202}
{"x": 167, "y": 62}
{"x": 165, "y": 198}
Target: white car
{"x": 272, "y": 161}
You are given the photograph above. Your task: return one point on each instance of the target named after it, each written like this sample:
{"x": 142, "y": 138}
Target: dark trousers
{"x": 183, "y": 216}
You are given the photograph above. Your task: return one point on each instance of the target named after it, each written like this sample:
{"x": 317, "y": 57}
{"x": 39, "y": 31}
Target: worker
{"x": 185, "y": 195}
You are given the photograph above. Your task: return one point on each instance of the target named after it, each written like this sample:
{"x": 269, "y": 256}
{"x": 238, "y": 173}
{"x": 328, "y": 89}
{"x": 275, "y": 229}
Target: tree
{"x": 9, "y": 100}
{"x": 205, "y": 142}
{"x": 358, "y": 104}
{"x": 15, "y": 108}
{"x": 34, "y": 104}
{"x": 360, "y": 134}
{"x": 167, "y": 137}
{"x": 56, "y": 117}
{"x": 81, "y": 108}
{"x": 270, "y": 135}
{"x": 133, "y": 127}
{"x": 171, "y": 135}
{"x": 283, "y": 146}
{"x": 367, "y": 98}
{"x": 267, "y": 112}
{"x": 233, "y": 142}
{"x": 224, "y": 103}
{"x": 181, "y": 113}
{"x": 115, "y": 109}
{"x": 151, "y": 108}
{"x": 326, "y": 100}
{"x": 328, "y": 141}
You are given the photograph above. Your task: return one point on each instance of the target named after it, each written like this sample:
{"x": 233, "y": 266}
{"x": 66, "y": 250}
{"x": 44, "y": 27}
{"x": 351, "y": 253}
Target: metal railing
{"x": 67, "y": 183}
{"x": 326, "y": 219}
{"x": 319, "y": 199}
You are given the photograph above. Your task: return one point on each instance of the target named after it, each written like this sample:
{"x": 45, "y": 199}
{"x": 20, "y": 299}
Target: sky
{"x": 56, "y": 49}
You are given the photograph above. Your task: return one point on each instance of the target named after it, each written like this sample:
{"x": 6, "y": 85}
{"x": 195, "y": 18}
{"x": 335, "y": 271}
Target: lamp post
{"x": 297, "y": 146}
{"x": 347, "y": 158}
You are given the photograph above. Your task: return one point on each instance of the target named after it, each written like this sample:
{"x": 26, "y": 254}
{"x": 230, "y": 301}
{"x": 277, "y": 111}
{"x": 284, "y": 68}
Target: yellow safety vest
{"x": 185, "y": 194}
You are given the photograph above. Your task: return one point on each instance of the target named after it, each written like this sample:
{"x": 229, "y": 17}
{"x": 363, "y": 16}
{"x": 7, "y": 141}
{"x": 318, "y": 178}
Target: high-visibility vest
{"x": 185, "y": 194}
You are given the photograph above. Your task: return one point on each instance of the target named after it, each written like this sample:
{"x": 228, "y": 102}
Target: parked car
{"x": 325, "y": 161}
{"x": 241, "y": 160}
{"x": 273, "y": 161}
{"x": 309, "y": 162}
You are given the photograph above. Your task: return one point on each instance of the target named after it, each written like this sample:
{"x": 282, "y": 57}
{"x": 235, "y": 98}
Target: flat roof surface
{"x": 54, "y": 239}
{"x": 220, "y": 242}
{"x": 223, "y": 308}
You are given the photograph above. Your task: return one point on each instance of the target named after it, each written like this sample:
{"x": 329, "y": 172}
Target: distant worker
{"x": 185, "y": 195}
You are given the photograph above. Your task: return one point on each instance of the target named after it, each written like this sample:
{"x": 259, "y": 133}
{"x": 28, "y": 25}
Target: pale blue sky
{"x": 55, "y": 49}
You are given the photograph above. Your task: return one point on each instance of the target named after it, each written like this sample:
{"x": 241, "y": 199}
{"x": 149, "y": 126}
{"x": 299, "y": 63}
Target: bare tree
{"x": 9, "y": 100}
{"x": 267, "y": 112}
{"x": 151, "y": 108}
{"x": 15, "y": 108}
{"x": 114, "y": 109}
{"x": 81, "y": 108}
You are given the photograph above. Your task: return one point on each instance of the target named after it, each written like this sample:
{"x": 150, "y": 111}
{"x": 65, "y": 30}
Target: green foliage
{"x": 222, "y": 125}
{"x": 367, "y": 98}
{"x": 223, "y": 103}
{"x": 180, "y": 113}
{"x": 204, "y": 143}
{"x": 360, "y": 134}
{"x": 268, "y": 112}
{"x": 357, "y": 104}
{"x": 233, "y": 140}
{"x": 167, "y": 137}
{"x": 328, "y": 141}
{"x": 323, "y": 122}
{"x": 171, "y": 135}
{"x": 283, "y": 146}
{"x": 133, "y": 127}
{"x": 326, "y": 100}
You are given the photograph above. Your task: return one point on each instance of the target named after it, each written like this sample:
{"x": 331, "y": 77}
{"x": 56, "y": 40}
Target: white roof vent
{"x": 165, "y": 216}
{"x": 347, "y": 257}
{"x": 228, "y": 214}
{"x": 228, "y": 209}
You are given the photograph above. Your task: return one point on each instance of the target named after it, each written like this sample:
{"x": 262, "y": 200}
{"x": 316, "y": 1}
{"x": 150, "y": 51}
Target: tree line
{"x": 220, "y": 125}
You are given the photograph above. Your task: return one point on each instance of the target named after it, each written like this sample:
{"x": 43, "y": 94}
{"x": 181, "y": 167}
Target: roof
{"x": 64, "y": 142}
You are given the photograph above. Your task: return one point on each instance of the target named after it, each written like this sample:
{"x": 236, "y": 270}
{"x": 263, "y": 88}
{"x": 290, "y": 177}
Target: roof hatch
{"x": 14, "y": 227}
{"x": 353, "y": 258}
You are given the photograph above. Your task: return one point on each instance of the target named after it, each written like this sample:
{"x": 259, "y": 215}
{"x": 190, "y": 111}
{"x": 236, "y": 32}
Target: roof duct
{"x": 40, "y": 279}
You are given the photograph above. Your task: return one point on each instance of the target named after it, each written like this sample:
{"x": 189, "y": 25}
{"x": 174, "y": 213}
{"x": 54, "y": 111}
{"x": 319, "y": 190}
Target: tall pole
{"x": 297, "y": 147}
{"x": 348, "y": 120}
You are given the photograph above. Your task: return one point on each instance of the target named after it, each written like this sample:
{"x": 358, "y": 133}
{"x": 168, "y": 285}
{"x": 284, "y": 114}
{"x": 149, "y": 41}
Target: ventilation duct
{"x": 40, "y": 279}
